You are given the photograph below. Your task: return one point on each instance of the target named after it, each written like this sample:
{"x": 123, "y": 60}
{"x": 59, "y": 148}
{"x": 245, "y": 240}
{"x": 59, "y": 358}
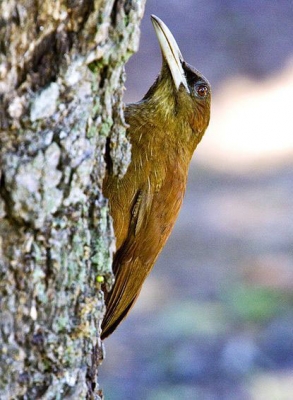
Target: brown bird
{"x": 164, "y": 129}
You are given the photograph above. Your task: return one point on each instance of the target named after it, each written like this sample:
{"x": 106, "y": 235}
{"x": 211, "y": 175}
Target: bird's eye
{"x": 202, "y": 90}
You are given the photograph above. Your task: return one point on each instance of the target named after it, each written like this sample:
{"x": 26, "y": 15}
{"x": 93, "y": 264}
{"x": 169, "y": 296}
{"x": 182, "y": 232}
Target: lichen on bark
{"x": 61, "y": 80}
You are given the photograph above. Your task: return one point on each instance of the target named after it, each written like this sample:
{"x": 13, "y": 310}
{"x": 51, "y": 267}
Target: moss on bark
{"x": 61, "y": 106}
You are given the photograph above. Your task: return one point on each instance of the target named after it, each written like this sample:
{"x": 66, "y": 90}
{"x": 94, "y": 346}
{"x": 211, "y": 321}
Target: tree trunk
{"x": 61, "y": 116}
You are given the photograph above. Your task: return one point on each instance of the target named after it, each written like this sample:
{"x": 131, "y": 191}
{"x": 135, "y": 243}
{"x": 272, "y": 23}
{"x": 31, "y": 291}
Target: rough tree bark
{"x": 61, "y": 84}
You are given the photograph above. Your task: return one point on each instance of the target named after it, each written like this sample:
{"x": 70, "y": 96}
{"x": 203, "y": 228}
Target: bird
{"x": 164, "y": 129}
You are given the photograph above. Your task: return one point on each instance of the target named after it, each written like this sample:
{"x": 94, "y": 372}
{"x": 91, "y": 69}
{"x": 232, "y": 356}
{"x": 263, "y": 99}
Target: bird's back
{"x": 144, "y": 205}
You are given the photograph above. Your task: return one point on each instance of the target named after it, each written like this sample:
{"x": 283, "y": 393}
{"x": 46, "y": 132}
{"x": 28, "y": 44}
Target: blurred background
{"x": 215, "y": 317}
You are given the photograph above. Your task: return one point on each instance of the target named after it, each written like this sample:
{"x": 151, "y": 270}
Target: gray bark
{"x": 61, "y": 86}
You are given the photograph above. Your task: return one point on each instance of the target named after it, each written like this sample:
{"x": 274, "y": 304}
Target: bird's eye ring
{"x": 202, "y": 90}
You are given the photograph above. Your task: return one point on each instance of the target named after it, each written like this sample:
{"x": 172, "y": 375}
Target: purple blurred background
{"x": 215, "y": 320}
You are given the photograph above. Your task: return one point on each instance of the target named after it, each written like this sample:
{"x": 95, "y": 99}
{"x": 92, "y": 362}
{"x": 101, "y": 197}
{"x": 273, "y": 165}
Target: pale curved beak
{"x": 170, "y": 51}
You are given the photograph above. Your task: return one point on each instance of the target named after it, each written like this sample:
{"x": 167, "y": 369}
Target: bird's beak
{"x": 170, "y": 51}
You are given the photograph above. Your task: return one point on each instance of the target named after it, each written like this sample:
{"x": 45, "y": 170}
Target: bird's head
{"x": 181, "y": 94}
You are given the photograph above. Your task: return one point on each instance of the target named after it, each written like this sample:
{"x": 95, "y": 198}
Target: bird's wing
{"x": 129, "y": 264}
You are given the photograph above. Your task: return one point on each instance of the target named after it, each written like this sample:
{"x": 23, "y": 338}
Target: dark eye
{"x": 202, "y": 90}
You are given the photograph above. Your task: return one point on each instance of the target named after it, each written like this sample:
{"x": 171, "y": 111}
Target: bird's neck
{"x": 155, "y": 132}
